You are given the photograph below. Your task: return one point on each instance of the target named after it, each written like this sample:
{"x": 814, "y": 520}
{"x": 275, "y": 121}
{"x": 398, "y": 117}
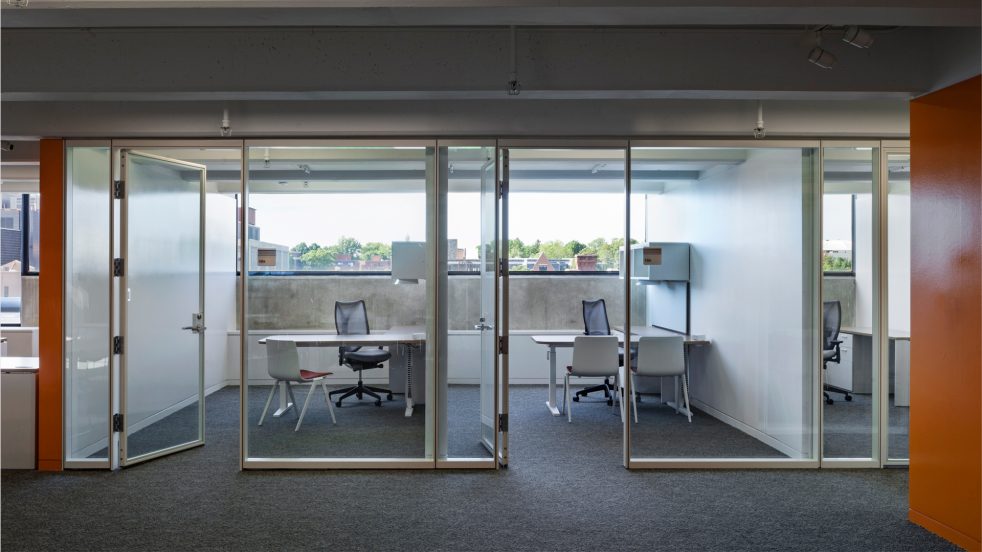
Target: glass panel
{"x": 87, "y": 278}
{"x": 569, "y": 204}
{"x": 334, "y": 213}
{"x": 18, "y": 294}
{"x": 162, "y": 369}
{"x": 471, "y": 242}
{"x": 727, "y": 240}
{"x": 851, "y": 381}
{"x": 898, "y": 303}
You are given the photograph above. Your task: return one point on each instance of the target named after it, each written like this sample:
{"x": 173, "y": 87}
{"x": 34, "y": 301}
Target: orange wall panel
{"x": 51, "y": 311}
{"x": 946, "y": 313}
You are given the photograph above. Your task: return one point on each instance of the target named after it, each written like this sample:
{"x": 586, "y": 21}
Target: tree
{"x": 556, "y": 250}
{"x": 318, "y": 258}
{"x": 575, "y": 247}
{"x": 370, "y": 249}
{"x": 300, "y": 248}
{"x": 833, "y": 263}
{"x": 348, "y": 246}
{"x": 516, "y": 249}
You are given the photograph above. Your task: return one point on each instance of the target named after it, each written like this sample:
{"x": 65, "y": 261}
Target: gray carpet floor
{"x": 848, "y": 428}
{"x": 561, "y": 492}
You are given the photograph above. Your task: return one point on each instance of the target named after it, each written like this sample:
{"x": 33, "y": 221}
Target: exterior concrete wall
{"x": 842, "y": 289}
{"x": 537, "y": 302}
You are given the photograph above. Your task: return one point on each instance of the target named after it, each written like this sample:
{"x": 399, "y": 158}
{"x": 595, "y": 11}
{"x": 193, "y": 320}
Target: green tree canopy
{"x": 348, "y": 246}
{"x": 370, "y": 249}
{"x": 318, "y": 258}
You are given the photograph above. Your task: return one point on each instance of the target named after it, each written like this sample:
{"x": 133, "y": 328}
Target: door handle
{"x": 197, "y": 323}
{"x": 483, "y": 326}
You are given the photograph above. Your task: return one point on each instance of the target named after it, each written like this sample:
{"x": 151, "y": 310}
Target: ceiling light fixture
{"x": 514, "y": 87}
{"x": 596, "y": 168}
{"x": 759, "y": 131}
{"x": 857, "y": 37}
{"x": 225, "y": 126}
{"x": 820, "y": 56}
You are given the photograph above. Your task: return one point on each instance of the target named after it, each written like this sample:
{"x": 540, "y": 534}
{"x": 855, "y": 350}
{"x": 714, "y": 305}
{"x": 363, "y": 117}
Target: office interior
{"x": 415, "y": 230}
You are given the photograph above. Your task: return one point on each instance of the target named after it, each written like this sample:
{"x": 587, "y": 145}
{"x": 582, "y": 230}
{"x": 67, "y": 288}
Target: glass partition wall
{"x": 566, "y": 306}
{"x": 850, "y": 247}
{"x": 725, "y": 288}
{"x": 339, "y": 318}
{"x": 895, "y": 345}
{"x": 381, "y": 278}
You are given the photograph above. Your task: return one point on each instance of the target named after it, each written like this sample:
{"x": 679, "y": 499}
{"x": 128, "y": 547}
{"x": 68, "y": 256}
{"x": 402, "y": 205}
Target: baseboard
{"x": 944, "y": 531}
{"x": 751, "y": 431}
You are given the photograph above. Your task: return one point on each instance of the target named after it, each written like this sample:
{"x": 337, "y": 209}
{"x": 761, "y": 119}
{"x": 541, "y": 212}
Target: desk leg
{"x": 284, "y": 403}
{"x": 409, "y": 380}
{"x": 551, "y": 403}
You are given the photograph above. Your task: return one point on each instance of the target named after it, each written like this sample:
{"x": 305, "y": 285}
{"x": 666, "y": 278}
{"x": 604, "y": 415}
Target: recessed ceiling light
{"x": 857, "y": 37}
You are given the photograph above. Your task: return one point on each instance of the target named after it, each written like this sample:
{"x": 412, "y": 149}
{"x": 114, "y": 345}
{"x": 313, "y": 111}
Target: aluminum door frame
{"x": 121, "y": 233}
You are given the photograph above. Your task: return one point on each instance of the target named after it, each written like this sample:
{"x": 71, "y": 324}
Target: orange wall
{"x": 946, "y": 313}
{"x": 50, "y": 315}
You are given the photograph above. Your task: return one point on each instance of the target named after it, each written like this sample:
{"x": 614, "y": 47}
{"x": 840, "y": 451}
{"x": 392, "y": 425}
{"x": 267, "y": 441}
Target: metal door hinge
{"x": 502, "y": 422}
{"x": 502, "y": 345}
{"x": 502, "y": 188}
{"x": 119, "y": 188}
{"x": 117, "y": 267}
{"x": 117, "y": 423}
{"x": 502, "y": 266}
{"x": 118, "y": 345}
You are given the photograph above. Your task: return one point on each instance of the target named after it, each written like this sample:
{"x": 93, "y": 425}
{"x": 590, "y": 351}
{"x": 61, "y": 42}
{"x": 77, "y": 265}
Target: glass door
{"x": 161, "y": 306}
{"x": 488, "y": 322}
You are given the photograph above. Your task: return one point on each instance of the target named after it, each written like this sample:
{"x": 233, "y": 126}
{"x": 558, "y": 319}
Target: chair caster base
{"x": 378, "y": 402}
{"x": 337, "y": 403}
{"x": 848, "y": 398}
{"x": 576, "y": 399}
{"x": 829, "y": 401}
{"x": 389, "y": 396}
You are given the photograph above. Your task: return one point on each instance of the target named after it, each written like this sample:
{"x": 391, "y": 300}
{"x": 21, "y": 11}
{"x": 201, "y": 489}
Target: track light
{"x": 822, "y": 57}
{"x": 857, "y": 37}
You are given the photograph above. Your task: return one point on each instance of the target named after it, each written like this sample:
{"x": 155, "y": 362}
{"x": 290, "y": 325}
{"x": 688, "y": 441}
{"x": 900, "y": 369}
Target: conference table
{"x": 556, "y": 341}
{"x": 408, "y": 339}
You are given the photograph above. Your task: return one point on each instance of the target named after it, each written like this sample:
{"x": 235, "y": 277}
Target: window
{"x": 839, "y": 231}
{"x": 19, "y": 250}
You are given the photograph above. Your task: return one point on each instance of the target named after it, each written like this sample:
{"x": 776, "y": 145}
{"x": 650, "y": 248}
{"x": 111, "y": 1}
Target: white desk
{"x": 409, "y": 339}
{"x": 862, "y": 357}
{"x": 637, "y": 332}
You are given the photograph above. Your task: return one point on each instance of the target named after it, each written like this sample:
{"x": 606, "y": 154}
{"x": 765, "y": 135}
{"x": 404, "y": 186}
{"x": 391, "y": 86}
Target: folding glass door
{"x": 161, "y": 293}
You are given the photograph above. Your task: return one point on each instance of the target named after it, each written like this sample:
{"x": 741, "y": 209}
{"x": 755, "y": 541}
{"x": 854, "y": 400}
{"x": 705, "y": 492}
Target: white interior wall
{"x": 898, "y": 257}
{"x": 864, "y": 261}
{"x": 220, "y": 286}
{"x": 745, "y": 226}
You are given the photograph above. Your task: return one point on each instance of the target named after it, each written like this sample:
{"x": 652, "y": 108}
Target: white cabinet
{"x": 840, "y": 375}
{"x": 17, "y": 392}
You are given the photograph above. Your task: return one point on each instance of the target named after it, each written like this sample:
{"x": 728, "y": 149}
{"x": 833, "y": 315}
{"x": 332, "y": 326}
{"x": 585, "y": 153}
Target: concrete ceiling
{"x": 232, "y": 13}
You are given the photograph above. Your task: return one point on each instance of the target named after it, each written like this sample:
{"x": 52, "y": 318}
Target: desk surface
{"x": 903, "y": 335}
{"x": 404, "y": 334}
{"x": 19, "y": 364}
{"x": 637, "y": 332}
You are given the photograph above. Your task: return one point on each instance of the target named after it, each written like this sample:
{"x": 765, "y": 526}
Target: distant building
{"x": 542, "y": 264}
{"x": 585, "y": 263}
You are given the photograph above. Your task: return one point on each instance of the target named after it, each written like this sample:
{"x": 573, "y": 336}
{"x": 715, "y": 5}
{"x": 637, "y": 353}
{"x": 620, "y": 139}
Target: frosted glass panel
{"x": 162, "y": 369}
{"x": 747, "y": 215}
{"x": 87, "y": 303}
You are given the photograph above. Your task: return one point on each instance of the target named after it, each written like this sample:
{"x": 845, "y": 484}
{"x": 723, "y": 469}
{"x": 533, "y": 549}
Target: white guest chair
{"x": 284, "y": 367}
{"x": 661, "y": 357}
{"x": 593, "y": 356}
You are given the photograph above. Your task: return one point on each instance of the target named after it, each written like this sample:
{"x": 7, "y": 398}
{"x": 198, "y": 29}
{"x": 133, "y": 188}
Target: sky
{"x": 289, "y": 219}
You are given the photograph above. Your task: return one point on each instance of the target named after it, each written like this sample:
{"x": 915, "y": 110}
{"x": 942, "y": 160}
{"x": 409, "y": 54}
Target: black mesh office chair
{"x": 832, "y": 322}
{"x": 595, "y": 323}
{"x": 351, "y": 318}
